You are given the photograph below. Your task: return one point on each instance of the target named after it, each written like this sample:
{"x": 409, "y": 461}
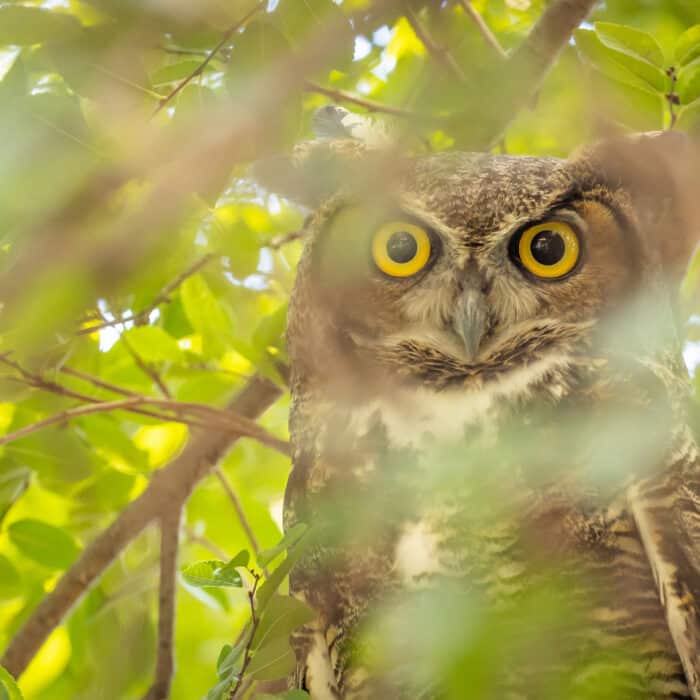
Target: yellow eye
{"x": 549, "y": 250}
{"x": 401, "y": 249}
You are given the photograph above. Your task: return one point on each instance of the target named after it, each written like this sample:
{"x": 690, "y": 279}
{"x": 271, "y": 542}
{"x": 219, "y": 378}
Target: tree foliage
{"x": 144, "y": 280}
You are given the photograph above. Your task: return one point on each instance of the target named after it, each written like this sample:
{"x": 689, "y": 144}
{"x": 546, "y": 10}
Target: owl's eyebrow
{"x": 627, "y": 229}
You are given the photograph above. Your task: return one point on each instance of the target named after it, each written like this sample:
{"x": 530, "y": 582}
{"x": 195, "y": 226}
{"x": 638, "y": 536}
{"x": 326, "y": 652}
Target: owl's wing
{"x": 667, "y": 514}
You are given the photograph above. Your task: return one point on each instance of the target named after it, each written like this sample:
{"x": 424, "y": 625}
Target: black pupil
{"x": 402, "y": 247}
{"x": 547, "y": 248}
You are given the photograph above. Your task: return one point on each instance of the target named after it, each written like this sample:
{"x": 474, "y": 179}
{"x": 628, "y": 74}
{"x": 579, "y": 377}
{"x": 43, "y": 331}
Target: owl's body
{"x": 451, "y": 425}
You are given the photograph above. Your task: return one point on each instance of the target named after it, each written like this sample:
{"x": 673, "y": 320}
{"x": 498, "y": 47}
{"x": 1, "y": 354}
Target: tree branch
{"x": 513, "y": 84}
{"x": 548, "y": 37}
{"x": 174, "y": 483}
{"x": 440, "y": 54}
{"x": 481, "y": 25}
{"x": 165, "y": 664}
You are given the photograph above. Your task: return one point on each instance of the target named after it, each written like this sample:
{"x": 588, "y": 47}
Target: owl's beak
{"x": 470, "y": 320}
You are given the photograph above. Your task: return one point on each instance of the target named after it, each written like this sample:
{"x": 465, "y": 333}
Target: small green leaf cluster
{"x": 639, "y": 71}
{"x": 263, "y": 651}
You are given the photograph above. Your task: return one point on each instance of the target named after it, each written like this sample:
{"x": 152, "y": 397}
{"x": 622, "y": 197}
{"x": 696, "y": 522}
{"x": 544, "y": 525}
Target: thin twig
{"x": 174, "y": 481}
{"x": 481, "y": 25}
{"x": 165, "y": 664}
{"x": 247, "y": 655}
{"x": 369, "y": 105}
{"x": 202, "y": 66}
{"x": 64, "y": 416}
{"x": 38, "y": 382}
{"x": 439, "y": 53}
{"x": 163, "y": 297}
{"x": 278, "y": 241}
{"x": 205, "y": 542}
{"x": 183, "y": 411}
{"x": 96, "y": 381}
{"x": 151, "y": 372}
{"x": 240, "y": 513}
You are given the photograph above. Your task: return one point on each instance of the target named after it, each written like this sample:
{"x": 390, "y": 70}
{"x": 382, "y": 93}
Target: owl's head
{"x": 458, "y": 269}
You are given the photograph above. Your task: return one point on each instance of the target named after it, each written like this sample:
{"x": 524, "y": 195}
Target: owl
{"x": 488, "y": 394}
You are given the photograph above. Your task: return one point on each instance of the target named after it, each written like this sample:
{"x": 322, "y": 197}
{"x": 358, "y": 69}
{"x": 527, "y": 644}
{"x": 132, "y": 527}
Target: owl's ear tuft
{"x": 661, "y": 173}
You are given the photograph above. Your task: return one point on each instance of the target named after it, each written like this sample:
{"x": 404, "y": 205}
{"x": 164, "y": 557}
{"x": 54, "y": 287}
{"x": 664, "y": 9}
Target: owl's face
{"x": 472, "y": 265}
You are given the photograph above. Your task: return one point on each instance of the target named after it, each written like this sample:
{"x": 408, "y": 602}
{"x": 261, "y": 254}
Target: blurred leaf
{"x": 689, "y": 117}
{"x": 688, "y": 45}
{"x": 621, "y": 37}
{"x": 263, "y": 47}
{"x": 212, "y": 573}
{"x": 276, "y": 578}
{"x": 21, "y": 25}
{"x": 301, "y": 20}
{"x": 13, "y": 482}
{"x": 282, "y": 616}
{"x": 175, "y": 72}
{"x": 8, "y": 686}
{"x": 206, "y": 315}
{"x": 153, "y": 344}
{"x": 270, "y": 333}
{"x": 291, "y": 537}
{"x": 162, "y": 442}
{"x": 260, "y": 47}
{"x": 688, "y": 85}
{"x": 275, "y": 660}
{"x": 289, "y": 695}
{"x": 44, "y": 543}
{"x": 227, "y": 663}
{"x": 10, "y": 581}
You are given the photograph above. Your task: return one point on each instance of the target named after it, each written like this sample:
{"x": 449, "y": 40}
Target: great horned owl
{"x": 517, "y": 311}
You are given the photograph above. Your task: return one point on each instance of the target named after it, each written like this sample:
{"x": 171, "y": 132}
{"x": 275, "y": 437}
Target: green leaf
{"x": 299, "y": 20}
{"x": 691, "y": 281}
{"x": 688, "y": 85}
{"x": 175, "y": 72}
{"x": 688, "y": 46}
{"x": 291, "y": 537}
{"x": 44, "y": 543}
{"x": 262, "y": 47}
{"x": 595, "y": 53}
{"x": 220, "y": 691}
{"x": 8, "y": 686}
{"x": 621, "y": 37}
{"x": 10, "y": 581}
{"x": 274, "y": 581}
{"x": 24, "y": 26}
{"x": 289, "y": 695}
{"x": 269, "y": 335}
{"x": 227, "y": 664}
{"x": 206, "y": 316}
{"x": 282, "y": 616}
{"x": 689, "y": 117}
{"x": 652, "y": 75}
{"x": 13, "y": 483}
{"x": 153, "y": 344}
{"x": 212, "y": 573}
{"x": 276, "y": 660}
